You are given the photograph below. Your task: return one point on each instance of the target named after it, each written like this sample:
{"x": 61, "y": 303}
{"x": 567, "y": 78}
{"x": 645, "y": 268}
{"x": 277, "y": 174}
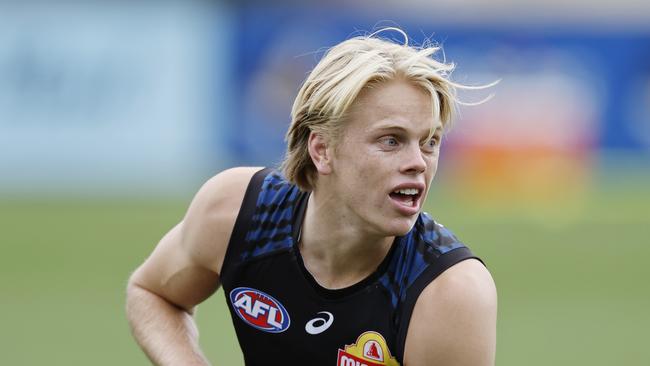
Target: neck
{"x": 337, "y": 251}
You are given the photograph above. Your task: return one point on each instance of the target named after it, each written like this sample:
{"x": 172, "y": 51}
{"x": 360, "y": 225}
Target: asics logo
{"x": 319, "y": 325}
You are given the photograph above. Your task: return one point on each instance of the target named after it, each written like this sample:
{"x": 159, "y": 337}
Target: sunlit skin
{"x": 353, "y": 214}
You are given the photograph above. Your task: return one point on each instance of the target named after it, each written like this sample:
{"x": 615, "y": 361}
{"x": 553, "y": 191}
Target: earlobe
{"x": 319, "y": 153}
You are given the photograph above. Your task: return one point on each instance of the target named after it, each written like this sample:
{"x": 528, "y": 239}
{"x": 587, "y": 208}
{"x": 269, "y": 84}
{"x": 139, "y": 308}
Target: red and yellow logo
{"x": 369, "y": 350}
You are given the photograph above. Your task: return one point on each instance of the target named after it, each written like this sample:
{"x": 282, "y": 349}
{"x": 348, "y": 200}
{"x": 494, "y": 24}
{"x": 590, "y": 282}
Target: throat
{"x": 336, "y": 267}
{"x": 335, "y": 250}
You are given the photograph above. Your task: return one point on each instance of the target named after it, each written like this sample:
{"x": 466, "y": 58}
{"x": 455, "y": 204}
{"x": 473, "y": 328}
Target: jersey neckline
{"x": 300, "y": 209}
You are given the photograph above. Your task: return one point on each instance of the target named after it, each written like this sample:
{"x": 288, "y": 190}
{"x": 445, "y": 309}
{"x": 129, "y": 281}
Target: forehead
{"x": 394, "y": 103}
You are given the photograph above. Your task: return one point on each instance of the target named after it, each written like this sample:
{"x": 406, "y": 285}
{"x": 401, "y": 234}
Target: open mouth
{"x": 406, "y": 196}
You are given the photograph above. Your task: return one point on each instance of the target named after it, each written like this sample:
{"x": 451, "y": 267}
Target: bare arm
{"x": 454, "y": 320}
{"x": 183, "y": 271}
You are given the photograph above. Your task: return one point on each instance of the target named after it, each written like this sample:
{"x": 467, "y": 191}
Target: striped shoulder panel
{"x": 270, "y": 226}
{"x": 418, "y": 250}
{"x": 428, "y": 250}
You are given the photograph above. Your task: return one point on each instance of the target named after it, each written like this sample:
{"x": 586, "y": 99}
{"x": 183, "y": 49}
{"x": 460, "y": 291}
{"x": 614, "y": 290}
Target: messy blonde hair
{"x": 345, "y": 70}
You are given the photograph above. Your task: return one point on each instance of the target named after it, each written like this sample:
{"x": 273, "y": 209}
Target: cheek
{"x": 358, "y": 160}
{"x": 433, "y": 164}
{"x": 432, "y": 167}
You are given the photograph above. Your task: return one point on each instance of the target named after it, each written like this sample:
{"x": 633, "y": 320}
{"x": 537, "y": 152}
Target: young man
{"x": 330, "y": 261}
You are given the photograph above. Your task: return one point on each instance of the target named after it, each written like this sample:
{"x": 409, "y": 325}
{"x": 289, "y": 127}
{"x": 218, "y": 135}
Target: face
{"x": 383, "y": 164}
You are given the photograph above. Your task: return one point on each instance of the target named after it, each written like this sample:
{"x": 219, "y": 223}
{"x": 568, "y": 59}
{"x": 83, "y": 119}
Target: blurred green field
{"x": 572, "y": 279}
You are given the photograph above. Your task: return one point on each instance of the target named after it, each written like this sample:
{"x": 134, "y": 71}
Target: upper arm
{"x": 185, "y": 265}
{"x": 454, "y": 319}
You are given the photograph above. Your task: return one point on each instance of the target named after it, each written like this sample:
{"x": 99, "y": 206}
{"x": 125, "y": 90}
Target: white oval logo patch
{"x": 259, "y": 310}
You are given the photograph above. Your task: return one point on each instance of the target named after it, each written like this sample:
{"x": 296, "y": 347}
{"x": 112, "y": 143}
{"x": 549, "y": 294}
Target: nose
{"x": 414, "y": 160}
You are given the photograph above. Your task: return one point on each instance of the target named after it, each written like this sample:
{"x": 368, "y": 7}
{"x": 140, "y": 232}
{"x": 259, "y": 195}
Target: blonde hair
{"x": 345, "y": 70}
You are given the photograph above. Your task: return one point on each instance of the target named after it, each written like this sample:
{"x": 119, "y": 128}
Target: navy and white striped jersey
{"x": 283, "y": 316}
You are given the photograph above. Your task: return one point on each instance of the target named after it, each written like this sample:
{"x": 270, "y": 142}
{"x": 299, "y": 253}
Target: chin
{"x": 401, "y": 226}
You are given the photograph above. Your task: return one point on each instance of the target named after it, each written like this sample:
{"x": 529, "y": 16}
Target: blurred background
{"x": 112, "y": 114}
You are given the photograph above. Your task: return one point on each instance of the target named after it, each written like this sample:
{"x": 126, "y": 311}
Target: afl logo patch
{"x": 259, "y": 310}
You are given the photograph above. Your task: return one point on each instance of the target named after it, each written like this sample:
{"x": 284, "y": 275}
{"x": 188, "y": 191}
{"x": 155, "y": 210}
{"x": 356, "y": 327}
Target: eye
{"x": 389, "y": 141}
{"x": 432, "y": 144}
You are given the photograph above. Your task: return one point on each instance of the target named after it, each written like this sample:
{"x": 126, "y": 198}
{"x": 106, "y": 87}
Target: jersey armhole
{"x": 443, "y": 263}
{"x": 242, "y": 223}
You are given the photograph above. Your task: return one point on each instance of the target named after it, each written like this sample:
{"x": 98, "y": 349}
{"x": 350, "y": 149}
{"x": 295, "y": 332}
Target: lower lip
{"x": 404, "y": 209}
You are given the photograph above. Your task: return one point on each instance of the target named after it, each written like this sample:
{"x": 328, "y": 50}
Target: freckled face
{"x": 384, "y": 162}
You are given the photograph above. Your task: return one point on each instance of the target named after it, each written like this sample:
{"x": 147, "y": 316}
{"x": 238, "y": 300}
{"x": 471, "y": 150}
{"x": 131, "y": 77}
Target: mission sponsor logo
{"x": 369, "y": 350}
{"x": 259, "y": 310}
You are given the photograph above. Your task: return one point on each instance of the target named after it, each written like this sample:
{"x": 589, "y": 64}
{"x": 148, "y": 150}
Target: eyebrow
{"x": 392, "y": 127}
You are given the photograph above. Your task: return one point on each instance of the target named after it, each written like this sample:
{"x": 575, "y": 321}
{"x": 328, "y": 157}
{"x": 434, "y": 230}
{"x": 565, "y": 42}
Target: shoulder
{"x": 185, "y": 265}
{"x": 466, "y": 283}
{"x": 208, "y": 223}
{"x": 454, "y": 320}
{"x": 222, "y": 187}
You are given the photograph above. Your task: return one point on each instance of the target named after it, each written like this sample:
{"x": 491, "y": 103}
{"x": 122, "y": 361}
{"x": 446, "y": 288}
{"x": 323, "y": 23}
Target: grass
{"x": 572, "y": 279}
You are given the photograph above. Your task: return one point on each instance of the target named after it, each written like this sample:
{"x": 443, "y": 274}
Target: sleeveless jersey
{"x": 282, "y": 316}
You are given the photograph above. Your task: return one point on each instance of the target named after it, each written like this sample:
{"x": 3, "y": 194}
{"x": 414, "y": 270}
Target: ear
{"x": 320, "y": 153}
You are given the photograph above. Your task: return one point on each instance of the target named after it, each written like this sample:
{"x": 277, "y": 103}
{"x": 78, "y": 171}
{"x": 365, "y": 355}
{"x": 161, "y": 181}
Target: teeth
{"x": 408, "y": 191}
